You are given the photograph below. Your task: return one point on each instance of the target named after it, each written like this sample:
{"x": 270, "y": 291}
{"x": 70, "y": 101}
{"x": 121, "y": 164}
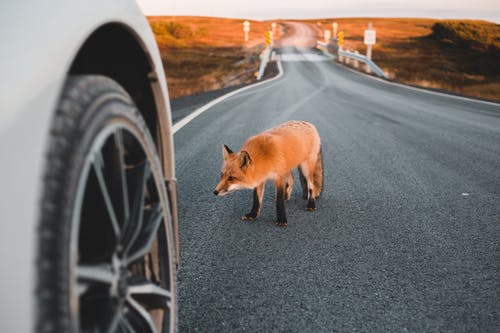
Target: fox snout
{"x": 224, "y": 188}
{"x": 220, "y": 191}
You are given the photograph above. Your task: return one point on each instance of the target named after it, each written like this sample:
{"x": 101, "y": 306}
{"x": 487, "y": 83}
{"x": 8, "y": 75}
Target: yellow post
{"x": 340, "y": 38}
{"x": 269, "y": 37}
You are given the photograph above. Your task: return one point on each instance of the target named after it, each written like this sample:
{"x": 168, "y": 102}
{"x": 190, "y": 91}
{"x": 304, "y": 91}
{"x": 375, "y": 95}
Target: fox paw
{"x": 249, "y": 217}
{"x": 311, "y": 206}
{"x": 282, "y": 223}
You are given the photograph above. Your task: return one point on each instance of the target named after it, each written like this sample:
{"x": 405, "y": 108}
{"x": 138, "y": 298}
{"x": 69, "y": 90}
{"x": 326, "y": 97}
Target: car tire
{"x": 106, "y": 260}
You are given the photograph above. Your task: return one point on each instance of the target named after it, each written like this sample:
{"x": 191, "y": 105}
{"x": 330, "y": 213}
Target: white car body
{"x": 40, "y": 41}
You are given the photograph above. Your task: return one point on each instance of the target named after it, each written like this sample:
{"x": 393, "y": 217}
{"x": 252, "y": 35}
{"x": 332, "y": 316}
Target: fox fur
{"x": 272, "y": 155}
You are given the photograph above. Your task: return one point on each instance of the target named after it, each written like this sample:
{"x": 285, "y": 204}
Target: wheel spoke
{"x": 134, "y": 224}
{"x": 95, "y": 273}
{"x": 115, "y": 322}
{"x": 152, "y": 221}
{"x": 118, "y": 136}
{"x": 142, "y": 313}
{"x": 82, "y": 288}
{"x": 98, "y": 165}
{"x": 152, "y": 295}
{"x": 125, "y": 325}
{"x": 88, "y": 275}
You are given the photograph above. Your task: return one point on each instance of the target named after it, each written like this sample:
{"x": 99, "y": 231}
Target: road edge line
{"x": 184, "y": 121}
{"x": 420, "y": 89}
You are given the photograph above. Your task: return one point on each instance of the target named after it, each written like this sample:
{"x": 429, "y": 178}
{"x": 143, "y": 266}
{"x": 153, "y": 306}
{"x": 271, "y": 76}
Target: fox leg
{"x": 303, "y": 183}
{"x": 258, "y": 194}
{"x": 288, "y": 185}
{"x": 311, "y": 202}
{"x": 280, "y": 201}
{"x": 308, "y": 188}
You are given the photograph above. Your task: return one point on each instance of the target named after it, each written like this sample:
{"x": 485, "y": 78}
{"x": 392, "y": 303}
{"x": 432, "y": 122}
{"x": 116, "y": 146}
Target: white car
{"x": 88, "y": 217}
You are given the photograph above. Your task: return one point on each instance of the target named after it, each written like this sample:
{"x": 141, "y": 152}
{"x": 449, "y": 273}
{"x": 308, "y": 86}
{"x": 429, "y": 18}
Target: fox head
{"x": 234, "y": 171}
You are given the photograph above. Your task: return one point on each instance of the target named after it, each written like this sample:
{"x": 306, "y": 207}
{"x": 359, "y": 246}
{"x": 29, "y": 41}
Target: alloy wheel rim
{"x": 120, "y": 276}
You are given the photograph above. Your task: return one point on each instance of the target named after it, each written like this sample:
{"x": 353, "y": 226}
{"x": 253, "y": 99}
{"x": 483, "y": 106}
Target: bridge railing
{"x": 265, "y": 57}
{"x": 328, "y": 48}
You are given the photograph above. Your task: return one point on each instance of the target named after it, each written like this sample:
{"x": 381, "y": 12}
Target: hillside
{"x": 200, "y": 54}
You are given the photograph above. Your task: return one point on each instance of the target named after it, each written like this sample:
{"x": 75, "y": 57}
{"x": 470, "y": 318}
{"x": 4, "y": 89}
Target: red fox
{"x": 272, "y": 155}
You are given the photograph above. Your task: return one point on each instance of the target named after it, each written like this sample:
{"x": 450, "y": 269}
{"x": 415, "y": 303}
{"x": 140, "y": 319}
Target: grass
{"x": 461, "y": 56}
{"x": 204, "y": 53}
{"x": 469, "y": 35}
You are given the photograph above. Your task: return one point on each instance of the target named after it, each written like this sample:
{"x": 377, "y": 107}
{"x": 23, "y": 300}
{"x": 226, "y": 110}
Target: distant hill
{"x": 478, "y": 36}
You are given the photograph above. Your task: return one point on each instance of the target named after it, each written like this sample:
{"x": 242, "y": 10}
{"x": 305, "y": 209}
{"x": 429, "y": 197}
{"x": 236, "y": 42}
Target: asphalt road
{"x": 407, "y": 232}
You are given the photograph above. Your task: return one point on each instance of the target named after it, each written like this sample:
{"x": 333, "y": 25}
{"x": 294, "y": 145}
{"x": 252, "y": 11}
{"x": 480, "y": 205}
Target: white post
{"x": 356, "y": 63}
{"x": 273, "y": 28}
{"x": 369, "y": 40}
{"x": 335, "y": 26}
{"x": 328, "y": 36}
{"x": 369, "y": 51}
{"x": 246, "y": 29}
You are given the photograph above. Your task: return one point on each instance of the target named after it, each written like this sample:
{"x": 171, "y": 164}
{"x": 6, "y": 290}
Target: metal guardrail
{"x": 266, "y": 55}
{"x": 341, "y": 53}
{"x": 323, "y": 46}
{"x": 377, "y": 70}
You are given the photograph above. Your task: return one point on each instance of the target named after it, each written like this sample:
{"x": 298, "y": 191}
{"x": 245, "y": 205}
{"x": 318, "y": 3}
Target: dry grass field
{"x": 205, "y": 53}
{"x": 459, "y": 56}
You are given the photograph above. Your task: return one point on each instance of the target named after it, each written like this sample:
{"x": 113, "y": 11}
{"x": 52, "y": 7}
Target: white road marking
{"x": 184, "y": 121}
{"x": 463, "y": 98}
{"x": 312, "y": 57}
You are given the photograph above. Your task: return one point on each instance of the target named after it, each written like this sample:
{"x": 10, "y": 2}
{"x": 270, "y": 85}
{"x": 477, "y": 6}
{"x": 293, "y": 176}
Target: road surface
{"x": 407, "y": 232}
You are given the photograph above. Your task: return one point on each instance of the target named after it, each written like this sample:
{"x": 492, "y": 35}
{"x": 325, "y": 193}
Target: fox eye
{"x": 231, "y": 178}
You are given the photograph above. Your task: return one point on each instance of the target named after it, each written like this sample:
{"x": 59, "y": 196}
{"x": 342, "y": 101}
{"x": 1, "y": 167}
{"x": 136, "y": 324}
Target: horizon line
{"x": 492, "y": 20}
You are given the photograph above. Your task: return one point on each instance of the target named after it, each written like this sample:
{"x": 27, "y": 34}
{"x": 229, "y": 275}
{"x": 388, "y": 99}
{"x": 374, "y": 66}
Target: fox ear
{"x": 245, "y": 159}
{"x": 226, "y": 152}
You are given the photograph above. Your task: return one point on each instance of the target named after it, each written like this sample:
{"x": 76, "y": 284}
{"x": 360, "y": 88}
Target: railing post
{"x": 340, "y": 57}
{"x": 348, "y": 59}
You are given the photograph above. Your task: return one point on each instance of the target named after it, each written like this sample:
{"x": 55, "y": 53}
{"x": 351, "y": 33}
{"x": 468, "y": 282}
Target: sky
{"x": 266, "y": 9}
